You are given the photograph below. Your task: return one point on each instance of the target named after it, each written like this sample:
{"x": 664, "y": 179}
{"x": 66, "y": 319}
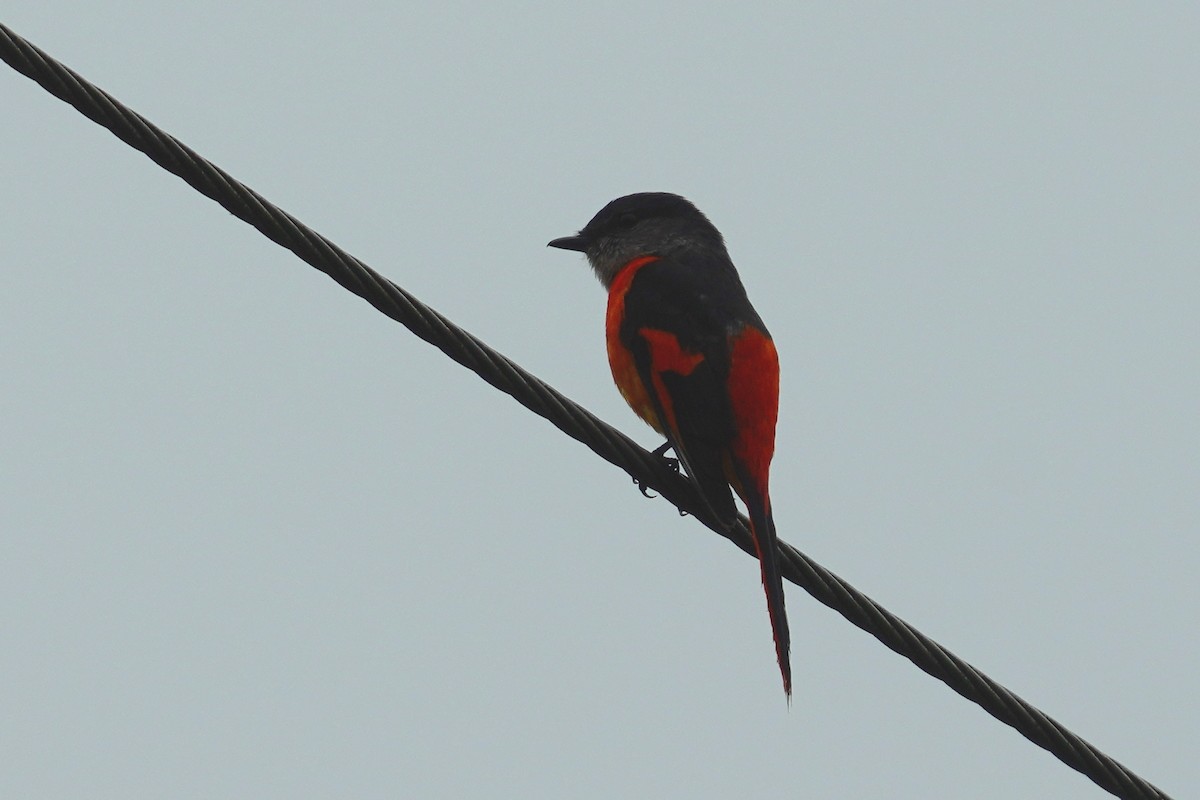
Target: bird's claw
{"x": 671, "y": 464}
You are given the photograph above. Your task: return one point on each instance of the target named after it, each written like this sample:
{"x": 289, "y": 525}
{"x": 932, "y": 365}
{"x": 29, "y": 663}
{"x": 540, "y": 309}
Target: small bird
{"x": 693, "y": 359}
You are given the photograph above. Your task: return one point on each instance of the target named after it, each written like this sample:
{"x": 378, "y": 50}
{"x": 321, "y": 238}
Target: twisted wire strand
{"x": 578, "y": 423}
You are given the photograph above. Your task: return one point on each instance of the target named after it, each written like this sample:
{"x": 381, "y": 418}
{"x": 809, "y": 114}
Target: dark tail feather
{"x": 762, "y": 528}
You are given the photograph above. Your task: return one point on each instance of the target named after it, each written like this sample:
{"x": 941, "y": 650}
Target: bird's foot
{"x": 671, "y": 463}
{"x": 661, "y": 452}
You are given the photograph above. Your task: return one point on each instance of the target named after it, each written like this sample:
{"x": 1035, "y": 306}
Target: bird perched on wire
{"x": 693, "y": 359}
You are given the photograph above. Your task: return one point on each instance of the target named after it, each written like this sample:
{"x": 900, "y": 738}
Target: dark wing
{"x": 677, "y": 322}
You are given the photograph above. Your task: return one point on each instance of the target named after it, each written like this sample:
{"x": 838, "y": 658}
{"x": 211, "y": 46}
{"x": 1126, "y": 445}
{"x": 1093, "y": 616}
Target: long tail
{"x": 762, "y": 528}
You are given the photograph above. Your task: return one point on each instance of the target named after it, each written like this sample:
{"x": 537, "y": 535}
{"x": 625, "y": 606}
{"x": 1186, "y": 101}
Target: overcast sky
{"x": 256, "y": 540}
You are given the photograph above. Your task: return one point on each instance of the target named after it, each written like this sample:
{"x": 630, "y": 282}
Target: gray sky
{"x": 259, "y": 541}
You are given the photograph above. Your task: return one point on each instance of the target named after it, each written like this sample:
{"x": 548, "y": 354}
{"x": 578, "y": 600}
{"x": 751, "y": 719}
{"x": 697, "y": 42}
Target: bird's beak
{"x": 569, "y": 243}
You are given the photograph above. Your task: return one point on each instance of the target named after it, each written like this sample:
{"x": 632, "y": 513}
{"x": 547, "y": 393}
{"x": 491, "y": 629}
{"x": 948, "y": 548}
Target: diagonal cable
{"x": 531, "y": 392}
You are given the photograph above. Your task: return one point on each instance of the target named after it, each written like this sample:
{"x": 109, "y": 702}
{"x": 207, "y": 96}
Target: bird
{"x": 692, "y": 358}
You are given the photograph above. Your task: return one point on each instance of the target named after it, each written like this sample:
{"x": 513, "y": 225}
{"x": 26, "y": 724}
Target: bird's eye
{"x": 627, "y": 220}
